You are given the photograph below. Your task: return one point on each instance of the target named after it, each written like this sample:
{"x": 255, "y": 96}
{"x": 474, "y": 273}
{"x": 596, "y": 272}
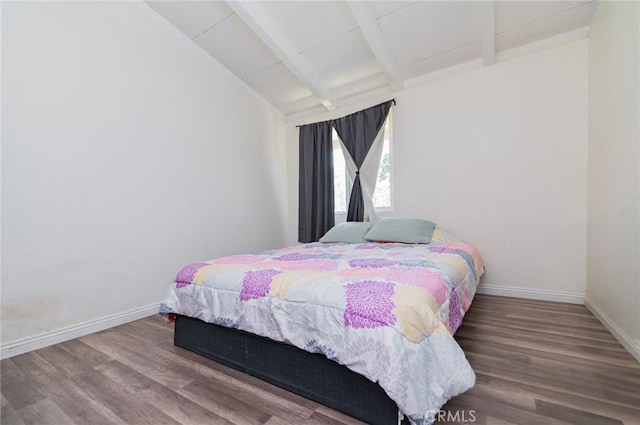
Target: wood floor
{"x": 537, "y": 363}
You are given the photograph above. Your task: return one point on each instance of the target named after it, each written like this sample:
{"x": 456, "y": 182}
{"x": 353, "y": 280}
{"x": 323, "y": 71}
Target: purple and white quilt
{"x": 385, "y": 310}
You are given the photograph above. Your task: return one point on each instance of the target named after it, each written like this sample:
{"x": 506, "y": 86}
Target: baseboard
{"x": 30, "y": 343}
{"x": 633, "y": 346}
{"x": 532, "y": 294}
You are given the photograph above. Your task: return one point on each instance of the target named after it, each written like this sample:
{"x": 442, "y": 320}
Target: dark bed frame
{"x": 310, "y": 375}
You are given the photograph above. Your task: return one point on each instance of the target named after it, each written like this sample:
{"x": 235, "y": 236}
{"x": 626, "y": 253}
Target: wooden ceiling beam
{"x": 366, "y": 19}
{"x": 259, "y": 21}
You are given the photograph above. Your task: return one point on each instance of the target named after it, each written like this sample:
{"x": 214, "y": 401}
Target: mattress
{"x": 386, "y": 311}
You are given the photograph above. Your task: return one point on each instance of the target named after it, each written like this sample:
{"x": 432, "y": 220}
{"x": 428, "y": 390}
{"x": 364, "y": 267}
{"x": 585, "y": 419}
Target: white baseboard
{"x": 633, "y": 346}
{"x": 30, "y": 343}
{"x": 532, "y": 294}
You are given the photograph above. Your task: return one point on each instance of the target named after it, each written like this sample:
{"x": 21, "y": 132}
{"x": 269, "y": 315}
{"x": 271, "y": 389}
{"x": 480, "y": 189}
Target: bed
{"x": 364, "y": 328}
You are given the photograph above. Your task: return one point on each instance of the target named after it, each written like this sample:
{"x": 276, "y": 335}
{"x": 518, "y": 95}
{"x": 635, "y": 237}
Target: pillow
{"x": 349, "y": 232}
{"x": 405, "y": 230}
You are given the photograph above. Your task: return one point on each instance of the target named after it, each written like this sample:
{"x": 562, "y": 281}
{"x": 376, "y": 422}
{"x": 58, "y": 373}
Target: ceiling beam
{"x": 368, "y": 23}
{"x": 258, "y": 21}
{"x": 488, "y": 24}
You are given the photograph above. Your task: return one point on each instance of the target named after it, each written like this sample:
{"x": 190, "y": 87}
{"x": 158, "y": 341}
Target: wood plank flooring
{"x": 537, "y": 363}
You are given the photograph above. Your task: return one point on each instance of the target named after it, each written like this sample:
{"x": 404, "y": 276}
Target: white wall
{"x": 126, "y": 154}
{"x": 497, "y": 156}
{"x": 613, "y": 273}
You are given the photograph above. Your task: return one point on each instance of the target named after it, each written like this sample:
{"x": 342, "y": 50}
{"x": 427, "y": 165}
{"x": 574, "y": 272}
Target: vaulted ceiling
{"x": 306, "y": 57}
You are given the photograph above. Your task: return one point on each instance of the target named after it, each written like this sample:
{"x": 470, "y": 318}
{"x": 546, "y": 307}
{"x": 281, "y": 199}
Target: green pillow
{"x": 349, "y": 232}
{"x": 405, "y": 230}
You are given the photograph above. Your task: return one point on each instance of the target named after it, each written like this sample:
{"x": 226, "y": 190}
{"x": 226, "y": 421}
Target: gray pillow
{"x": 405, "y": 230}
{"x": 349, "y": 232}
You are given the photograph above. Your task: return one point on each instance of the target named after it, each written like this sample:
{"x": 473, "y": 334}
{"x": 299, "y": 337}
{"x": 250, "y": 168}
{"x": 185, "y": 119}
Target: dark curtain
{"x": 316, "y": 202}
{"x": 358, "y": 132}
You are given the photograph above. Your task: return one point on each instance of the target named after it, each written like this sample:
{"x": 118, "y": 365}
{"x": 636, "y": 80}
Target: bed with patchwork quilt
{"x": 387, "y": 311}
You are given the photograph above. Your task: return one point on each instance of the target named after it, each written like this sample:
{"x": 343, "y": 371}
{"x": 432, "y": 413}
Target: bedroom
{"x": 128, "y": 152}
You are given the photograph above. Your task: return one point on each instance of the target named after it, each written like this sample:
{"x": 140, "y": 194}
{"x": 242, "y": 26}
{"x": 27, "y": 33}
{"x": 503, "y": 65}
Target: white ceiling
{"x": 306, "y": 57}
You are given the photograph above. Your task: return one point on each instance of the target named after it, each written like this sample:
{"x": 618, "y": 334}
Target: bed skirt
{"x": 310, "y": 375}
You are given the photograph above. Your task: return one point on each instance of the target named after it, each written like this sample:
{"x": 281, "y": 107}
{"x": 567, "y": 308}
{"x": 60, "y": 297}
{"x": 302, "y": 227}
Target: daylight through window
{"x": 342, "y": 182}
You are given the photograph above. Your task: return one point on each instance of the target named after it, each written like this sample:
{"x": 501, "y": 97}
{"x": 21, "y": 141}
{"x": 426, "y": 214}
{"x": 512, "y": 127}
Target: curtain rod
{"x": 392, "y": 100}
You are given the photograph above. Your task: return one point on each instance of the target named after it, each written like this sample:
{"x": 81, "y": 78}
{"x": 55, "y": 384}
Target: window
{"x": 342, "y": 182}
{"x": 341, "y": 179}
